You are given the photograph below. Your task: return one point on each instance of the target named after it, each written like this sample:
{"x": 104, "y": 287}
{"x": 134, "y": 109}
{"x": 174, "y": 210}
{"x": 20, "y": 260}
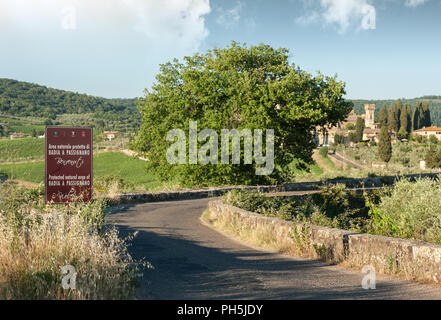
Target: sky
{"x": 381, "y": 49}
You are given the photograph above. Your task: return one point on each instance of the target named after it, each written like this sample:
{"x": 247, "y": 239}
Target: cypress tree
{"x": 394, "y": 118}
{"x": 359, "y": 128}
{"x": 384, "y": 145}
{"x": 382, "y": 116}
{"x": 409, "y": 118}
{"x": 416, "y": 118}
{"x": 427, "y": 121}
{"x": 404, "y": 120}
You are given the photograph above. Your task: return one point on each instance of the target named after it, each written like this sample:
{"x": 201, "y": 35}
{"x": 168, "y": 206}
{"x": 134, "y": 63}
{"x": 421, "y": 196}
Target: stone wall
{"x": 412, "y": 259}
{"x": 142, "y": 197}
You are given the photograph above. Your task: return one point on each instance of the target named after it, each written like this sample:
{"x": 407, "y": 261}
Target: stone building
{"x": 429, "y": 131}
{"x": 325, "y": 136}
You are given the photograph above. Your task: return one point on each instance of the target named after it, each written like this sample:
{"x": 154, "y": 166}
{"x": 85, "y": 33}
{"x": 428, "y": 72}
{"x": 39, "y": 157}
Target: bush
{"x": 332, "y": 200}
{"x": 433, "y": 139}
{"x": 433, "y": 158}
{"x": 339, "y": 139}
{"x": 333, "y": 207}
{"x": 409, "y": 210}
{"x": 324, "y": 152}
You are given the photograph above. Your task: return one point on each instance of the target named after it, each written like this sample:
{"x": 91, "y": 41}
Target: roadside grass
{"x": 329, "y": 163}
{"x": 38, "y": 240}
{"x": 246, "y": 231}
{"x": 107, "y": 166}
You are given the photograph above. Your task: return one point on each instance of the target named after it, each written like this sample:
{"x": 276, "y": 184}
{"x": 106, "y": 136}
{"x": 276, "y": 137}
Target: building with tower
{"x": 325, "y": 136}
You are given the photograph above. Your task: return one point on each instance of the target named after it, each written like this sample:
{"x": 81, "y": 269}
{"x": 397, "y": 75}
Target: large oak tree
{"x": 238, "y": 87}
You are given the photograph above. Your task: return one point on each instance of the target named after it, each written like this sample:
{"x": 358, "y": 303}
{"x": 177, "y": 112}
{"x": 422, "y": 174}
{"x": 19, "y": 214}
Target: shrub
{"x": 433, "y": 139}
{"x": 332, "y": 200}
{"x": 339, "y": 139}
{"x": 324, "y": 152}
{"x": 433, "y": 158}
{"x": 409, "y": 210}
{"x": 333, "y": 207}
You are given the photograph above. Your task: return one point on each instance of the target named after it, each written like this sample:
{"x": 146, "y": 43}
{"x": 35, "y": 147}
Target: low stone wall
{"x": 411, "y": 259}
{"x": 374, "y": 182}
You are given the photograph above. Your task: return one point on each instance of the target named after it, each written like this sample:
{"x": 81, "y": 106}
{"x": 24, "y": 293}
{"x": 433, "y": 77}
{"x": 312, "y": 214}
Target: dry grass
{"x": 36, "y": 241}
{"x": 246, "y": 230}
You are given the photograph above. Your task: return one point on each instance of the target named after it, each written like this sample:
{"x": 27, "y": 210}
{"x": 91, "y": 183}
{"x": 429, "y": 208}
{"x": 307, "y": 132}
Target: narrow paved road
{"x": 338, "y": 158}
{"x": 193, "y": 261}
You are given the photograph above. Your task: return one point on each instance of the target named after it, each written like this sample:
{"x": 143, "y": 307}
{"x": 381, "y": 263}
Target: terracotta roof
{"x": 428, "y": 129}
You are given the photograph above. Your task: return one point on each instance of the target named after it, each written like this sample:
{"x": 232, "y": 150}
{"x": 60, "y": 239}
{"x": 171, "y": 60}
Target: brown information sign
{"x": 68, "y": 165}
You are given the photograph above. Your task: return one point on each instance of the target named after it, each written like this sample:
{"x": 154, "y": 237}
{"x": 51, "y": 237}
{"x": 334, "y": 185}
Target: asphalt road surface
{"x": 192, "y": 261}
{"x": 353, "y": 164}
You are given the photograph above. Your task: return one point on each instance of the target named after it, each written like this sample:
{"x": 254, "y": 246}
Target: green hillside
{"x": 23, "y": 99}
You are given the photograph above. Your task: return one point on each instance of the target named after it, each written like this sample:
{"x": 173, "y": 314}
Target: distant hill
{"x": 23, "y": 99}
{"x": 434, "y": 103}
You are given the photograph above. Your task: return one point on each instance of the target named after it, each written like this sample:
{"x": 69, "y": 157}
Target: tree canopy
{"x": 238, "y": 87}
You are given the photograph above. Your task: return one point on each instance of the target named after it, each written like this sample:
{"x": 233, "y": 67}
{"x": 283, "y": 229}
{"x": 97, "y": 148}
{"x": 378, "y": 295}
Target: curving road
{"x": 340, "y": 159}
{"x": 193, "y": 261}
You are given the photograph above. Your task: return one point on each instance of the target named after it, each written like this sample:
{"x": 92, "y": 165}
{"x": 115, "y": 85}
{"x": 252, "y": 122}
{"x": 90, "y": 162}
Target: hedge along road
{"x": 192, "y": 261}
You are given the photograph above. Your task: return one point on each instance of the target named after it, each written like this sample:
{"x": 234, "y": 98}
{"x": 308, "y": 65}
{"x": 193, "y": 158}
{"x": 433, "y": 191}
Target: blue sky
{"x": 113, "y": 48}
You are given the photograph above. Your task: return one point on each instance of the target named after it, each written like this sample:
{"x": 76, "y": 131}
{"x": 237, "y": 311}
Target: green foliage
{"x": 433, "y": 158}
{"x": 128, "y": 172}
{"x": 333, "y": 200}
{"x": 402, "y": 133}
{"x": 3, "y": 130}
{"x": 394, "y": 117}
{"x": 333, "y": 206}
{"x": 382, "y": 116}
{"x": 409, "y": 210}
{"x": 384, "y": 145}
{"x": 324, "y": 152}
{"x": 405, "y": 121}
{"x": 350, "y": 126}
{"x": 26, "y": 99}
{"x": 352, "y": 137}
{"x": 422, "y": 117}
{"x": 21, "y": 149}
{"x": 359, "y": 128}
{"x": 235, "y": 88}
{"x": 433, "y": 139}
{"x": 433, "y": 102}
{"x": 339, "y": 139}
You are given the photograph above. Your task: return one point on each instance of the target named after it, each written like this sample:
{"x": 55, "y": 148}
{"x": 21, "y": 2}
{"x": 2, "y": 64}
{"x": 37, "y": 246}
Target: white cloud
{"x": 230, "y": 17}
{"x": 415, "y": 3}
{"x": 345, "y": 12}
{"x": 342, "y": 13}
{"x": 177, "y": 23}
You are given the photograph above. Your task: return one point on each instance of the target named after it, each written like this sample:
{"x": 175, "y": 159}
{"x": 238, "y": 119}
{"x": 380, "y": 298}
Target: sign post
{"x": 68, "y": 164}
